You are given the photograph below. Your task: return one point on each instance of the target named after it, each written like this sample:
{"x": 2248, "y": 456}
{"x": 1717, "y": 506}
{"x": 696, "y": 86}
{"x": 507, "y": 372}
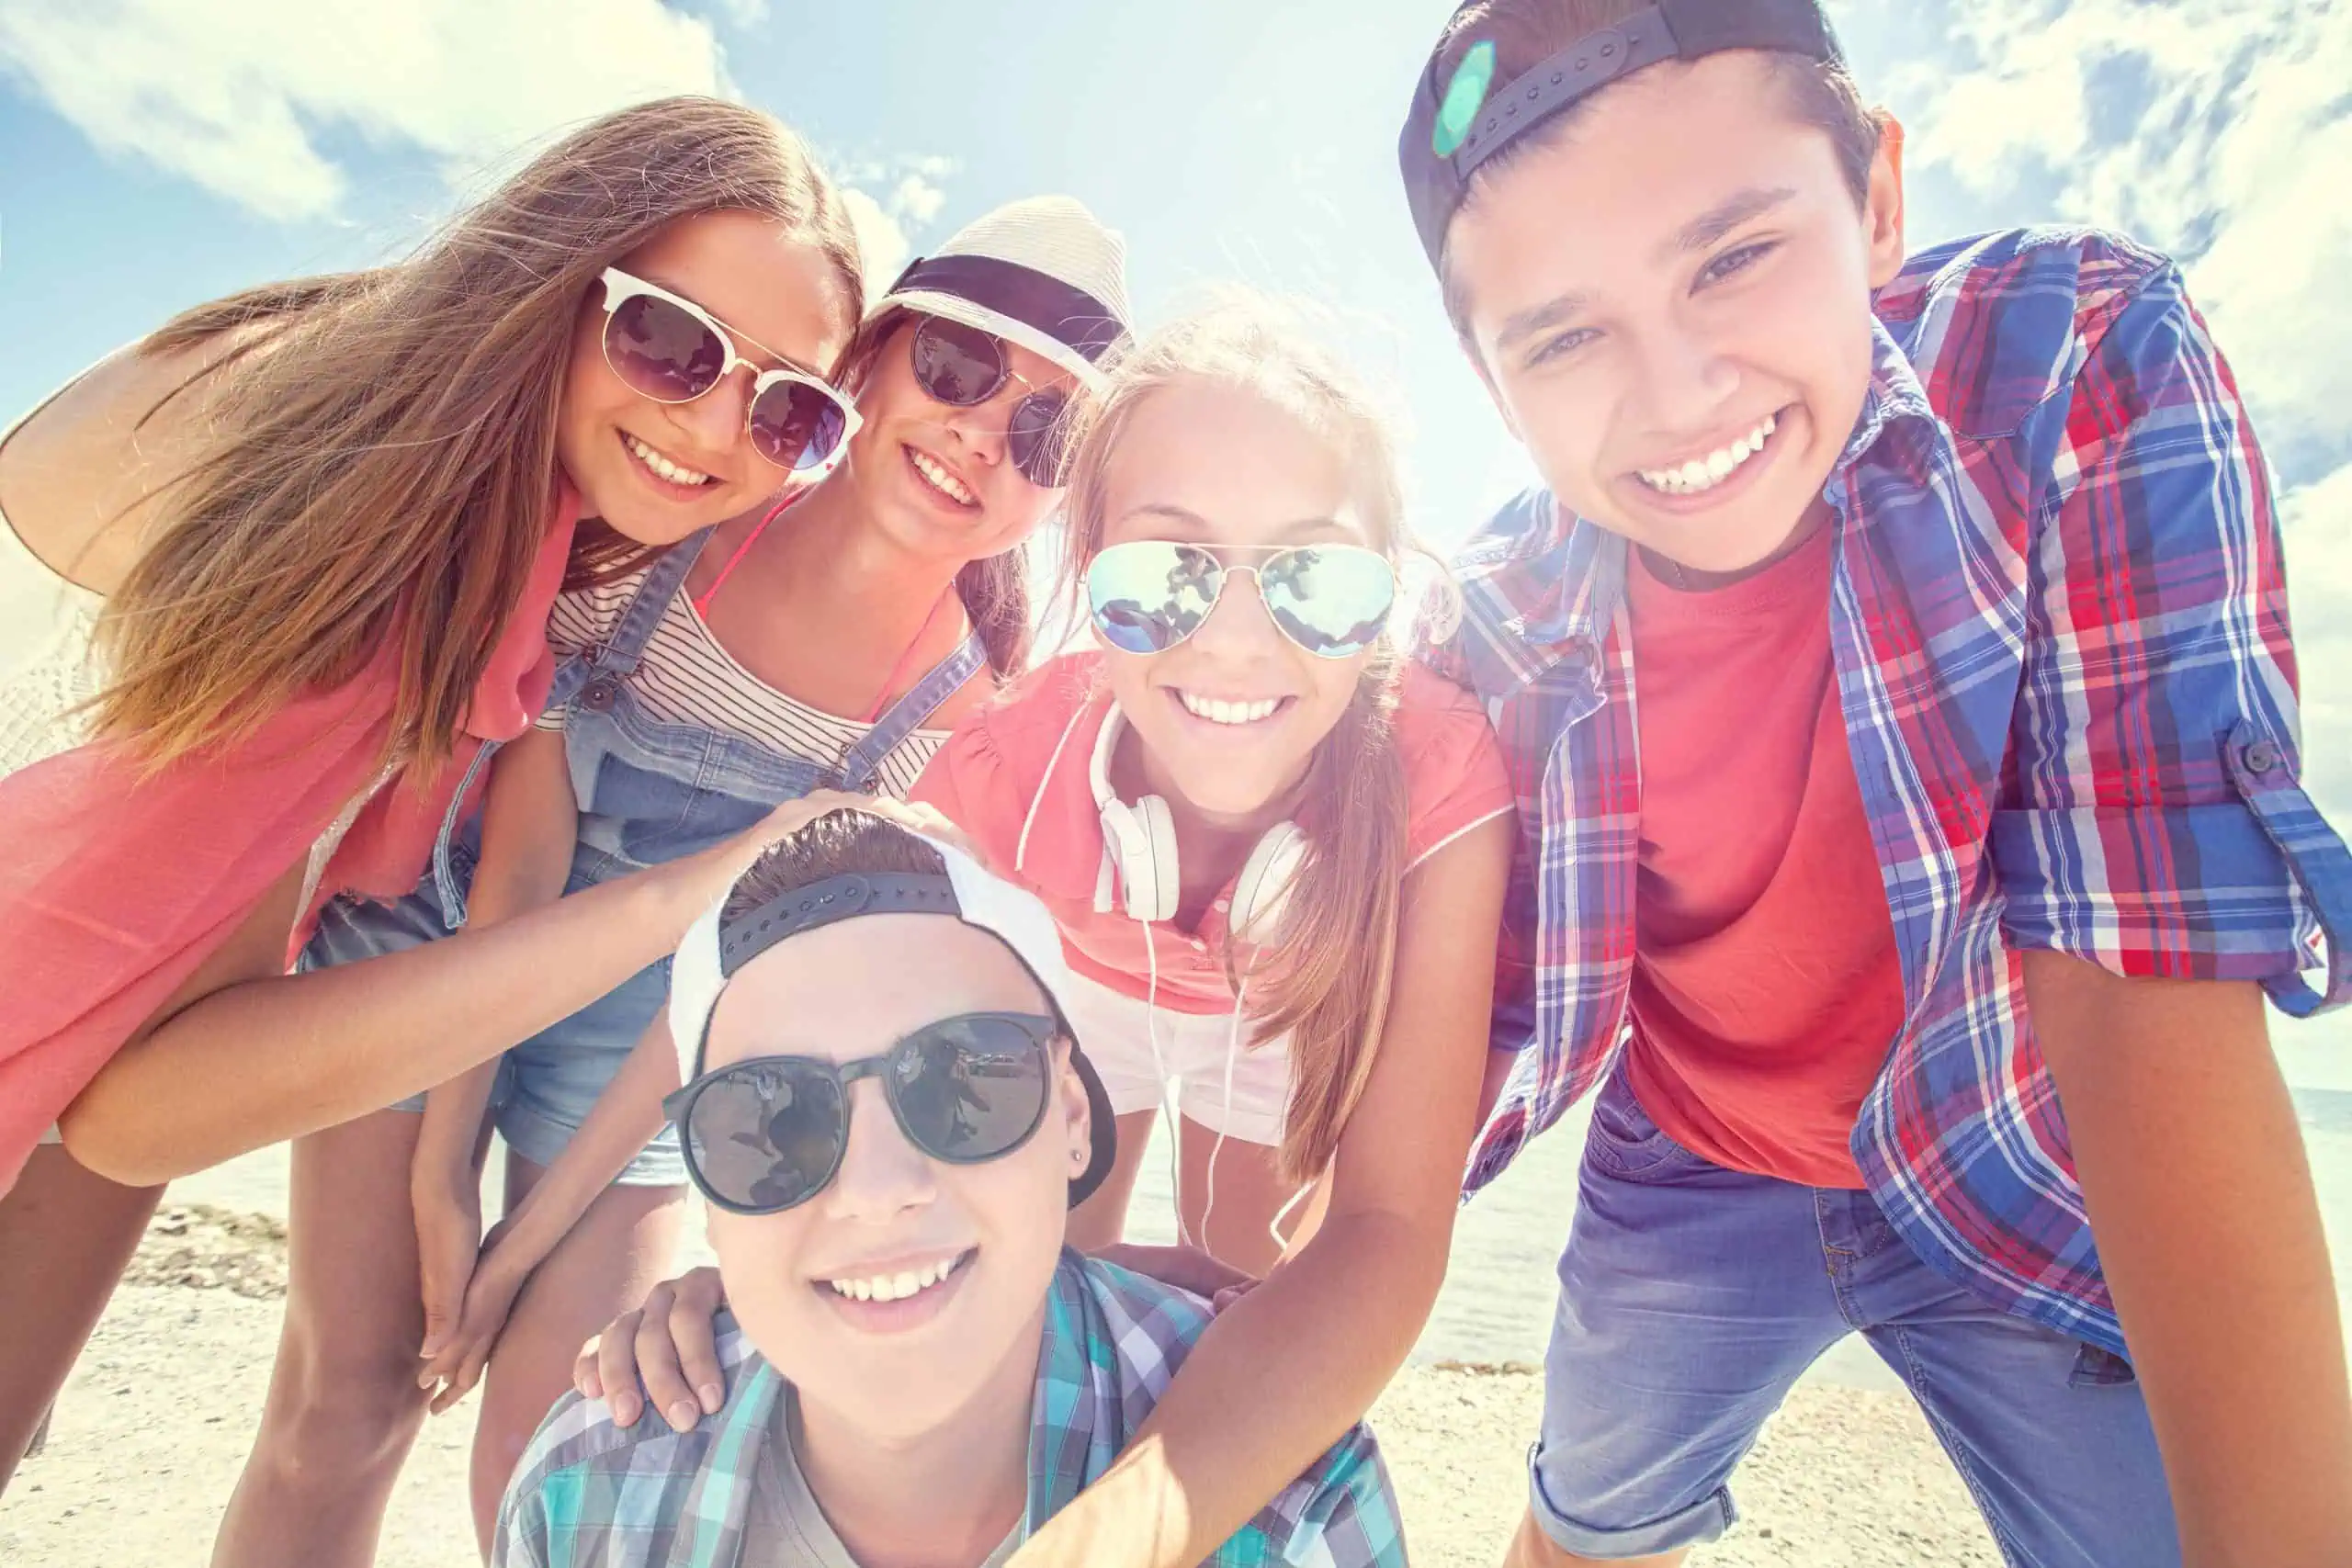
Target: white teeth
{"x": 946, "y": 483}
{"x": 674, "y": 473}
{"x": 1705, "y": 473}
{"x": 894, "y": 1287}
{"x": 1217, "y": 710}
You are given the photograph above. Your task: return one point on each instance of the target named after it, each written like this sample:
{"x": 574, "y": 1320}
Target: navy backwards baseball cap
{"x": 1458, "y": 124}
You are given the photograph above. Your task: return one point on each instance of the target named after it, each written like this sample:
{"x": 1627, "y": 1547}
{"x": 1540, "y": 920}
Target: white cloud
{"x": 2218, "y": 130}
{"x": 237, "y": 97}
{"x": 2318, "y": 522}
{"x": 881, "y": 243}
{"x": 916, "y": 199}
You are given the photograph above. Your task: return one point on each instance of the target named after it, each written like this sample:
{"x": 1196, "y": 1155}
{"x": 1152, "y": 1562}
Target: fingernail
{"x": 713, "y": 1396}
{"x": 683, "y": 1416}
{"x": 625, "y": 1411}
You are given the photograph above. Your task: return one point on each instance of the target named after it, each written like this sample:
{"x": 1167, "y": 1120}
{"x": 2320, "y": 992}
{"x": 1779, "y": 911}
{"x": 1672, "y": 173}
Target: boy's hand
{"x": 448, "y": 1242}
{"x": 499, "y": 1274}
{"x": 667, "y": 1346}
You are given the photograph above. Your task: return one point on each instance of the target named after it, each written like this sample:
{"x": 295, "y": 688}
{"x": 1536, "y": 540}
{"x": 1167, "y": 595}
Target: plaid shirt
{"x": 590, "y": 1494}
{"x": 2059, "y": 622}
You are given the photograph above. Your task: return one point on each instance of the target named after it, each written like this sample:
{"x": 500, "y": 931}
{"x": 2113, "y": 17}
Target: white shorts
{"x": 1116, "y": 1032}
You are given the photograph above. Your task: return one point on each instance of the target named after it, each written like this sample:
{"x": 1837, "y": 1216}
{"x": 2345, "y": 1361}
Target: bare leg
{"x": 67, "y": 1233}
{"x": 1530, "y": 1547}
{"x": 1250, "y": 1191}
{"x": 613, "y": 1256}
{"x": 344, "y": 1407}
{"x": 1102, "y": 1220}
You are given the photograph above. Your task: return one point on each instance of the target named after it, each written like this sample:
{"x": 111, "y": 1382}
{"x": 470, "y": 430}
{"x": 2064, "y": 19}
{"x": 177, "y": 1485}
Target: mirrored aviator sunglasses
{"x": 768, "y": 1134}
{"x": 963, "y": 367}
{"x": 673, "y": 351}
{"x": 1148, "y": 595}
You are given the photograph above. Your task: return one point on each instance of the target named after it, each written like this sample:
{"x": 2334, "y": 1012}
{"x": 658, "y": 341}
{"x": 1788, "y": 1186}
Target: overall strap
{"x": 617, "y": 655}
{"x": 625, "y": 644}
{"x": 903, "y": 717}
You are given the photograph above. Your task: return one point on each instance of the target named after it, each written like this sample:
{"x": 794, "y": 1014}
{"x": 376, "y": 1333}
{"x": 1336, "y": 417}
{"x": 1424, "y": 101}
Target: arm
{"x": 529, "y": 826}
{"x": 624, "y": 1118}
{"x": 2156, "y": 864}
{"x": 258, "y": 1060}
{"x": 2194, "y": 1171}
{"x": 1331, "y": 1326}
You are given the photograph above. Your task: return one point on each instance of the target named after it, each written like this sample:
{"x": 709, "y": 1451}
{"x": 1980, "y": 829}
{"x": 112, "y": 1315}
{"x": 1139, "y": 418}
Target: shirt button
{"x": 1222, "y": 905}
{"x": 2261, "y": 757}
{"x": 1199, "y": 946}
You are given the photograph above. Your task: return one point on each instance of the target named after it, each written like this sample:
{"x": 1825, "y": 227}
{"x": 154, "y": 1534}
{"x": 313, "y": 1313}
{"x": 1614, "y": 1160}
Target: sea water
{"x": 1499, "y": 1289}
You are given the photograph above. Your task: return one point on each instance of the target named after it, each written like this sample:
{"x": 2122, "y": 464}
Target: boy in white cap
{"x": 923, "y": 1370}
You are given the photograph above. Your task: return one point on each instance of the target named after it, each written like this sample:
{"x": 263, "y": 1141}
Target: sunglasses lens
{"x": 797, "y": 427}
{"x": 662, "y": 351}
{"x": 1332, "y": 601}
{"x": 969, "y": 1088}
{"x": 1037, "y": 439}
{"x": 767, "y": 1136}
{"x": 958, "y": 364}
{"x": 1149, "y": 595}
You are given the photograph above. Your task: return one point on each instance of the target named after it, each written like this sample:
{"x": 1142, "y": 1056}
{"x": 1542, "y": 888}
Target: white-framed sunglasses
{"x": 673, "y": 351}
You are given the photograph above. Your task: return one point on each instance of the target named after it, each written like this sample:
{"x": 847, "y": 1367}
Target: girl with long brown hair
{"x": 284, "y": 569}
{"x": 822, "y": 644}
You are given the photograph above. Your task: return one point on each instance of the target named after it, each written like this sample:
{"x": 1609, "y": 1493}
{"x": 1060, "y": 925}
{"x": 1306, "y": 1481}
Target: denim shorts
{"x": 1692, "y": 1297}
{"x": 546, "y": 1085}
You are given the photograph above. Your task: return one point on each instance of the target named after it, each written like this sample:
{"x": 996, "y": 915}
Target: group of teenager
{"x": 578, "y": 682}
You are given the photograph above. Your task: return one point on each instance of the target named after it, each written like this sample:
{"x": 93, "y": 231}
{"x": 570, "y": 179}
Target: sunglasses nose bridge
{"x": 882, "y": 1173}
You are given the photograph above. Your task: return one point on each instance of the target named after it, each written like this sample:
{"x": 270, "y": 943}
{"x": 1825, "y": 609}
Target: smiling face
{"x": 937, "y": 478}
{"x": 1670, "y": 303}
{"x": 964, "y": 1253}
{"x": 657, "y": 473}
{"x": 1229, "y": 718}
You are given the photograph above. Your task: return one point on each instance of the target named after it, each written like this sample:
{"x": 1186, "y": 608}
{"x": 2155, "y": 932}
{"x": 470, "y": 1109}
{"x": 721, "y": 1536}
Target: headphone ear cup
{"x": 1140, "y": 842}
{"x": 1261, "y": 893}
{"x": 1156, "y": 894}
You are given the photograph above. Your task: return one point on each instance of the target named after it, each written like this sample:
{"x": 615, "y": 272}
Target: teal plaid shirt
{"x": 590, "y": 1494}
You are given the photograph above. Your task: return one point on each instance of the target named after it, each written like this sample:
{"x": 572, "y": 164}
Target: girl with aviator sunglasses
{"x": 825, "y": 644}
{"x": 1276, "y": 853}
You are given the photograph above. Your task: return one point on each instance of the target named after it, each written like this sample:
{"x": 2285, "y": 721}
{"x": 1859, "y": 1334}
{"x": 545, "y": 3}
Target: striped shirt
{"x": 590, "y": 1494}
{"x": 2058, "y": 617}
{"x": 686, "y": 677}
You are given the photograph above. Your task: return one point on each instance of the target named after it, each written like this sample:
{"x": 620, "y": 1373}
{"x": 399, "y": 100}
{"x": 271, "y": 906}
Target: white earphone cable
{"x": 1225, "y": 1118}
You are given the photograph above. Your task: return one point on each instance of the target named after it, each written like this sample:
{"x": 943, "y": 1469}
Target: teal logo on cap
{"x": 1465, "y": 95}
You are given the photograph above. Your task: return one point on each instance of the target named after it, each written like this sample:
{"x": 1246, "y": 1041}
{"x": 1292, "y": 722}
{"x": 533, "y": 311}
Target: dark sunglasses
{"x": 768, "y": 1133}
{"x": 963, "y": 367}
{"x": 674, "y": 351}
{"x": 1148, "y": 595}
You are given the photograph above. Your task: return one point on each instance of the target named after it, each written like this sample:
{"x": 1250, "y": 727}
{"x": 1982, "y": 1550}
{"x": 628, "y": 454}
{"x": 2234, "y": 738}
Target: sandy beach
{"x": 152, "y": 1430}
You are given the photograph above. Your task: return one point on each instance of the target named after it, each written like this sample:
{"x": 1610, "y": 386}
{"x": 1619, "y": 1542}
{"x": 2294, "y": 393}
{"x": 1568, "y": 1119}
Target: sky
{"x": 154, "y": 153}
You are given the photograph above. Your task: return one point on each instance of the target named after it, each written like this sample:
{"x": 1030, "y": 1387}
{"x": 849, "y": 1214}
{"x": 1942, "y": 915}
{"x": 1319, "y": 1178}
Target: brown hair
{"x": 1527, "y": 32}
{"x": 994, "y": 589}
{"x": 388, "y": 473}
{"x": 840, "y": 843}
{"x": 1330, "y": 963}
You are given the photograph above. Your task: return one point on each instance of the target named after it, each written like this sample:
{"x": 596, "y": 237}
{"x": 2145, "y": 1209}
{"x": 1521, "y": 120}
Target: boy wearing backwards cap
{"x": 923, "y": 1372}
{"x": 1962, "y": 781}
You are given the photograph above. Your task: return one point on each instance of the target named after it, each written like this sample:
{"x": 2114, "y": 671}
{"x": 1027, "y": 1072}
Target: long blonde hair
{"x": 1323, "y": 976}
{"x": 388, "y": 471}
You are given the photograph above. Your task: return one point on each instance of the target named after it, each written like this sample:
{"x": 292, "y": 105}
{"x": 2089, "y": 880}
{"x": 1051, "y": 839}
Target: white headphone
{"x": 1139, "y": 854}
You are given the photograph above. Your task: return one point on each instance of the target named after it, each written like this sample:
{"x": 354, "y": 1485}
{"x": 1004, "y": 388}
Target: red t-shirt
{"x": 1014, "y": 777}
{"x": 1767, "y": 992}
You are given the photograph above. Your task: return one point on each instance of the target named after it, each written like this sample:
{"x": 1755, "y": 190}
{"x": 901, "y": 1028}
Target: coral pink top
{"x": 1015, "y": 778}
{"x": 119, "y": 883}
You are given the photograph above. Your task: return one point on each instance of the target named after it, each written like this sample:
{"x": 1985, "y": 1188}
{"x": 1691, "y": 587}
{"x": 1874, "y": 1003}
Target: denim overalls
{"x": 648, "y": 790}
